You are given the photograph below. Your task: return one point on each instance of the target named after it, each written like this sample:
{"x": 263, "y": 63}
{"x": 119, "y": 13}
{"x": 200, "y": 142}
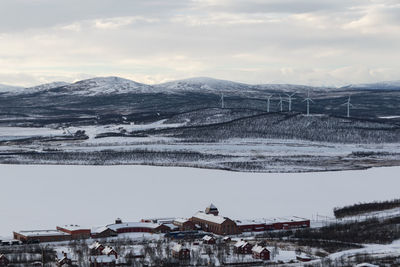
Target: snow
{"x": 42, "y": 233}
{"x": 115, "y": 227}
{"x": 38, "y": 197}
{"x": 209, "y": 217}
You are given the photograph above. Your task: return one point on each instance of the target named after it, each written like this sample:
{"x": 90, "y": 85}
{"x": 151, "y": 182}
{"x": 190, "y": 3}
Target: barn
{"x": 210, "y": 221}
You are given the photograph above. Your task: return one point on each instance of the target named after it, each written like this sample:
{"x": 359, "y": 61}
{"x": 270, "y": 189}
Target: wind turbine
{"x": 308, "y": 99}
{"x": 348, "y": 104}
{"x": 268, "y": 102}
{"x": 280, "y": 102}
{"x": 222, "y": 100}
{"x": 290, "y": 100}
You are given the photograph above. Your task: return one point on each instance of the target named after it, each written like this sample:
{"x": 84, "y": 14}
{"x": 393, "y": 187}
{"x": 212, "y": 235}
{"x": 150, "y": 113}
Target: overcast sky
{"x": 315, "y": 42}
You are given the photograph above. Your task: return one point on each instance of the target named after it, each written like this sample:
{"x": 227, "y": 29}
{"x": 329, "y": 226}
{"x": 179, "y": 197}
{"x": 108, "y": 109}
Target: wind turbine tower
{"x": 348, "y": 104}
{"x": 290, "y": 100}
{"x": 268, "y": 102}
{"x": 280, "y": 102}
{"x": 222, "y": 100}
{"x": 308, "y": 99}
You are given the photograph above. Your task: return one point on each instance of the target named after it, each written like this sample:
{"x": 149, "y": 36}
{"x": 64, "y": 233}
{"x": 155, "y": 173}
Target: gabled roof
{"x": 258, "y": 249}
{"x": 207, "y": 238}
{"x": 212, "y": 207}
{"x": 178, "y": 247}
{"x": 210, "y": 217}
{"x": 95, "y": 245}
{"x": 241, "y": 243}
{"x": 107, "y": 250}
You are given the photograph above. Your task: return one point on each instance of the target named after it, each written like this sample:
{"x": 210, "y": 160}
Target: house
{"x": 36, "y": 236}
{"x": 3, "y": 260}
{"x": 76, "y": 231}
{"x": 102, "y": 232}
{"x": 260, "y": 252}
{"x": 208, "y": 240}
{"x": 242, "y": 247}
{"x": 210, "y": 221}
{"x": 102, "y": 260}
{"x": 63, "y": 260}
{"x": 180, "y": 252}
{"x": 109, "y": 251}
{"x": 184, "y": 224}
{"x": 96, "y": 249}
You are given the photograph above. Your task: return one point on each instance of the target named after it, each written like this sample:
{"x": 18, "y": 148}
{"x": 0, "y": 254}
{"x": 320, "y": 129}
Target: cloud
{"x": 254, "y": 41}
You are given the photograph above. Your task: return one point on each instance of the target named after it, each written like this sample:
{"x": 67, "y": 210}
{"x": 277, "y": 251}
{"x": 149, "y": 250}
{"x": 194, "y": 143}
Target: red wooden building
{"x": 96, "y": 249}
{"x": 242, "y": 247}
{"x": 180, "y": 252}
{"x": 34, "y": 236}
{"x": 138, "y": 227}
{"x": 76, "y": 231}
{"x": 208, "y": 240}
{"x": 260, "y": 252}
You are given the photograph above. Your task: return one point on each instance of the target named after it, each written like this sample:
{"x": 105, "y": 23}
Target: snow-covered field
{"x": 35, "y": 196}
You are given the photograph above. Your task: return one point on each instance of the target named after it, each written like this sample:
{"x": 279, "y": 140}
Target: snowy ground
{"x": 38, "y": 197}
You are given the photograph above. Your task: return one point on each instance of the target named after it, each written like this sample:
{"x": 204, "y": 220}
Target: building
{"x": 158, "y": 220}
{"x": 3, "y": 260}
{"x": 253, "y": 226}
{"x": 138, "y": 227}
{"x": 208, "y": 240}
{"x": 242, "y": 247}
{"x": 36, "y": 236}
{"x": 102, "y": 260}
{"x": 286, "y": 223}
{"x": 76, "y": 231}
{"x": 180, "y": 252}
{"x": 109, "y": 251}
{"x": 210, "y": 222}
{"x": 63, "y": 260}
{"x": 102, "y": 232}
{"x": 227, "y": 239}
{"x": 96, "y": 249}
{"x": 260, "y": 252}
{"x": 184, "y": 224}
{"x": 211, "y": 209}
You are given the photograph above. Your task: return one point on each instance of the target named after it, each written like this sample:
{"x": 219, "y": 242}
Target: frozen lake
{"x": 39, "y": 197}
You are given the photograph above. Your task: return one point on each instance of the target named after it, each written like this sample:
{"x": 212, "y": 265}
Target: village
{"x": 206, "y": 238}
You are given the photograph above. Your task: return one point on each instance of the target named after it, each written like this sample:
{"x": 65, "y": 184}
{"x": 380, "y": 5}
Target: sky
{"x": 312, "y": 42}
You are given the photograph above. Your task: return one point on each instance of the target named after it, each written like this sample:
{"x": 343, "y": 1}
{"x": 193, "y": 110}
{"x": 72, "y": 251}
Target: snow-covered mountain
{"x": 46, "y": 86}
{"x": 391, "y": 85}
{"x": 9, "y": 88}
{"x": 103, "y": 86}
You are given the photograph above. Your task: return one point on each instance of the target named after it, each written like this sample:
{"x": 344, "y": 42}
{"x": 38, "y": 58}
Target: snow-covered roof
{"x": 241, "y": 243}
{"x": 258, "y": 249}
{"x": 286, "y": 219}
{"x": 32, "y": 233}
{"x": 103, "y": 258}
{"x": 117, "y": 226}
{"x": 250, "y": 222}
{"x": 212, "y": 207}
{"x": 107, "y": 250}
{"x": 207, "y": 238}
{"x": 95, "y": 245}
{"x": 210, "y": 217}
{"x": 171, "y": 226}
{"x": 366, "y": 265}
{"x": 74, "y": 227}
{"x": 98, "y": 229}
{"x": 181, "y": 220}
{"x": 178, "y": 247}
